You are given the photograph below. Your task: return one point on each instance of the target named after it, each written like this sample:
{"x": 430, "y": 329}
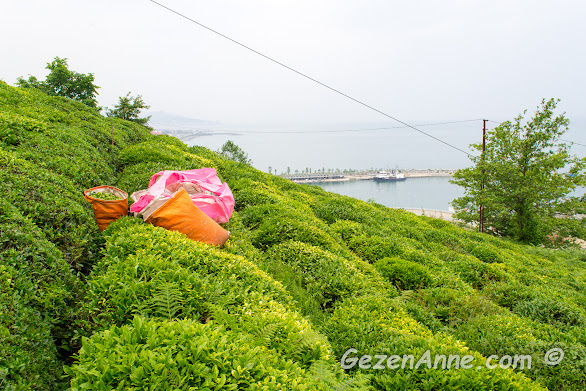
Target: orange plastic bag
{"x": 179, "y": 214}
{"x": 107, "y": 211}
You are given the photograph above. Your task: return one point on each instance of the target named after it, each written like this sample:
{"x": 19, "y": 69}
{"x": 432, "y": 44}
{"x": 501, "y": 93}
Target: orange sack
{"x": 179, "y": 214}
{"x": 107, "y": 211}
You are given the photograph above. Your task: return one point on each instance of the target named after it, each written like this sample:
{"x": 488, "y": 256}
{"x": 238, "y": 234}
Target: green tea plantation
{"x": 312, "y": 291}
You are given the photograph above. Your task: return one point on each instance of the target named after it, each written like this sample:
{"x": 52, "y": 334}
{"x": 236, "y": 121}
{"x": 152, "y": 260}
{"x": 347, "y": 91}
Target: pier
{"x": 357, "y": 175}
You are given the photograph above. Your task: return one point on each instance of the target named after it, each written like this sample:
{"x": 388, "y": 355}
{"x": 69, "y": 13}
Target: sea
{"x": 279, "y": 149}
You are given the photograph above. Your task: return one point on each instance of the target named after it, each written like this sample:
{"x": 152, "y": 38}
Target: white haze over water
{"x": 327, "y": 146}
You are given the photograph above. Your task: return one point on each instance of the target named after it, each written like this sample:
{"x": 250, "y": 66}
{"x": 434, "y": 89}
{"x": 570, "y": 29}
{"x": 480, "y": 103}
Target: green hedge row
{"x": 51, "y": 150}
{"x": 156, "y": 274}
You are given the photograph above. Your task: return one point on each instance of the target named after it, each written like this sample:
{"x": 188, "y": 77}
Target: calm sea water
{"x": 362, "y": 146}
{"x": 414, "y": 193}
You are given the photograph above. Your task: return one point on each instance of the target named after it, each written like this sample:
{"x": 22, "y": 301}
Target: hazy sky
{"x": 416, "y": 60}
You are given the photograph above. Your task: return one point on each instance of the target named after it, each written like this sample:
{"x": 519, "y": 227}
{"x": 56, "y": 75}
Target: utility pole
{"x": 112, "y": 131}
{"x": 481, "y": 212}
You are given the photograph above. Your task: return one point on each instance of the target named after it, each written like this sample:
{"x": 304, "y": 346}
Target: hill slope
{"x": 305, "y": 276}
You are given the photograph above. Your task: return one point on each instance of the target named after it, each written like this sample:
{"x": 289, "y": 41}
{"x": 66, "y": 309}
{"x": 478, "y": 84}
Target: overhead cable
{"x": 308, "y": 77}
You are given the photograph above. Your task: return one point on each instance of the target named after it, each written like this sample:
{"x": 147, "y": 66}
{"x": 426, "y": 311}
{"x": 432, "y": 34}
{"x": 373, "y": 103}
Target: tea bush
{"x": 347, "y": 229}
{"x": 334, "y": 207}
{"x": 13, "y": 128}
{"x": 476, "y": 273}
{"x": 372, "y": 248}
{"x": 161, "y": 149}
{"x": 301, "y": 279}
{"x": 274, "y": 230}
{"x": 453, "y": 307}
{"x": 404, "y": 274}
{"x": 52, "y": 290}
{"x": 550, "y": 311}
{"x": 375, "y": 325}
{"x": 62, "y": 213}
{"x": 329, "y": 276}
{"x": 509, "y": 334}
{"x": 153, "y": 354}
{"x": 136, "y": 177}
{"x": 28, "y": 356}
{"x": 249, "y": 193}
{"x": 254, "y": 216}
{"x": 199, "y": 283}
{"x": 483, "y": 251}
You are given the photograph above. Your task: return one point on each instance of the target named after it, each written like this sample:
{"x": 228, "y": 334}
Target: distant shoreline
{"x": 362, "y": 176}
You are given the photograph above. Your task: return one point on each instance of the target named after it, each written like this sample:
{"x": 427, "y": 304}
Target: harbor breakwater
{"x": 344, "y": 176}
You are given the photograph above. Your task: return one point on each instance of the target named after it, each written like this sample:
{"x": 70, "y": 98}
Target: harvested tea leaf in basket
{"x": 104, "y": 196}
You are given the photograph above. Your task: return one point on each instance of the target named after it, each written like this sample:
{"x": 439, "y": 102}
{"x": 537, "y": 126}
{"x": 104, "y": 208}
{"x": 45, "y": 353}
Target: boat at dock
{"x": 385, "y": 176}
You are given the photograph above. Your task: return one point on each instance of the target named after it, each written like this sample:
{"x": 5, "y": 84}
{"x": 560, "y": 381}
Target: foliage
{"x": 231, "y": 151}
{"x": 28, "y": 357}
{"x": 13, "y": 127}
{"x": 305, "y": 276}
{"x": 372, "y": 248}
{"x": 326, "y": 276}
{"x": 527, "y": 172}
{"x": 128, "y": 108}
{"x": 64, "y": 82}
{"x": 404, "y": 274}
{"x": 152, "y": 354}
{"x": 102, "y": 195}
{"x": 52, "y": 149}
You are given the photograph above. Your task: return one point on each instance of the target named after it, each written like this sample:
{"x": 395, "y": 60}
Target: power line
{"x": 567, "y": 141}
{"x": 573, "y": 142}
{"x": 311, "y": 131}
{"x": 308, "y": 77}
{"x": 353, "y": 130}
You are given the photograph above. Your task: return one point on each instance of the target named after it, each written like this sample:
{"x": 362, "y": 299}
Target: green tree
{"x": 62, "y": 81}
{"x": 527, "y": 174}
{"x": 233, "y": 152}
{"x": 129, "y": 108}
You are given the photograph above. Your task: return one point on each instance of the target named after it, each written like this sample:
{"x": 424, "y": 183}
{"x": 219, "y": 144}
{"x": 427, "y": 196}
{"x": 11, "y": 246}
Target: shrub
{"x": 14, "y": 128}
{"x": 347, "y": 229}
{"x": 329, "y": 276}
{"x": 453, "y": 307}
{"x": 444, "y": 238}
{"x": 372, "y": 248}
{"x": 376, "y": 325}
{"x": 61, "y": 212}
{"x": 278, "y": 229}
{"x": 203, "y": 152}
{"x": 404, "y": 274}
{"x": 509, "y": 334}
{"x": 136, "y": 177}
{"x": 554, "y": 312}
{"x": 334, "y": 207}
{"x": 55, "y": 289}
{"x": 254, "y": 216}
{"x": 253, "y": 193}
{"x": 484, "y": 251}
{"x": 82, "y": 163}
{"x": 151, "y": 354}
{"x": 477, "y": 273}
{"x": 157, "y": 149}
{"x": 28, "y": 357}
{"x": 152, "y": 272}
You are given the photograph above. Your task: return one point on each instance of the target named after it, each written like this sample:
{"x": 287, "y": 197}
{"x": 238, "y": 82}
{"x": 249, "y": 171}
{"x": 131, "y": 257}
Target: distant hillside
{"x": 305, "y": 276}
{"x": 166, "y": 120}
